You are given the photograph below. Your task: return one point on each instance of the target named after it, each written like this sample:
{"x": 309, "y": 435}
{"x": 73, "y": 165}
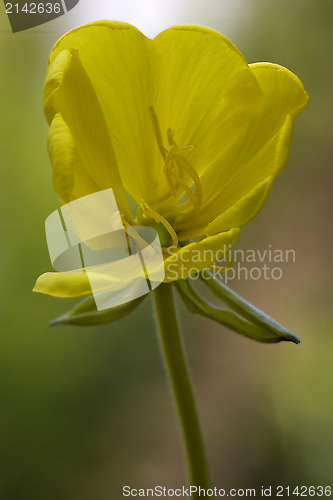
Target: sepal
{"x": 229, "y": 319}
{"x": 246, "y": 310}
{"x": 86, "y": 313}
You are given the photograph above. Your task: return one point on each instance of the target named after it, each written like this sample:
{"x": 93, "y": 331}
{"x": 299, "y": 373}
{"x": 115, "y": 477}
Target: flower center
{"x": 175, "y": 165}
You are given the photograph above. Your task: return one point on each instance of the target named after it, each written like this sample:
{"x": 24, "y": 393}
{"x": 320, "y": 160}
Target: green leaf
{"x": 86, "y": 314}
{"x": 197, "y": 305}
{"x": 246, "y": 310}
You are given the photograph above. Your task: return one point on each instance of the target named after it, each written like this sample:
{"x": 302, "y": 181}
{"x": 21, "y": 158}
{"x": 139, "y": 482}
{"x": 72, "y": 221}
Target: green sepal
{"x": 197, "y": 305}
{"x": 86, "y": 313}
{"x": 244, "y": 309}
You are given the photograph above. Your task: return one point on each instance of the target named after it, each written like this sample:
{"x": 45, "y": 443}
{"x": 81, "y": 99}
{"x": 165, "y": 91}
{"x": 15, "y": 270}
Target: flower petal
{"x": 71, "y": 284}
{"x": 248, "y": 199}
{"x": 206, "y": 92}
{"x": 197, "y": 81}
{"x": 62, "y": 153}
{"x": 78, "y": 133}
{"x": 243, "y": 210}
{"x": 197, "y": 256}
{"x": 261, "y": 151}
{"x": 183, "y": 263}
{"x": 117, "y": 63}
{"x": 79, "y": 283}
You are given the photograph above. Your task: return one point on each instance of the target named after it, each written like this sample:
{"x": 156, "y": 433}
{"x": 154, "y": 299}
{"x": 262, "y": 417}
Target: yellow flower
{"x": 181, "y": 123}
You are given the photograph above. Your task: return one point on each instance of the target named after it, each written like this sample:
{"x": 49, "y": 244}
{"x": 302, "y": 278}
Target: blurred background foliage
{"x": 86, "y": 411}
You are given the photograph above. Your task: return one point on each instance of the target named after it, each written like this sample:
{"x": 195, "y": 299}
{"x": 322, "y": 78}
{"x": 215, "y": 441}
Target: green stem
{"x": 177, "y": 371}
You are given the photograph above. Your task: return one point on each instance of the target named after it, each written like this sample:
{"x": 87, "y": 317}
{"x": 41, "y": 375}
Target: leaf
{"x": 246, "y": 310}
{"x": 197, "y": 305}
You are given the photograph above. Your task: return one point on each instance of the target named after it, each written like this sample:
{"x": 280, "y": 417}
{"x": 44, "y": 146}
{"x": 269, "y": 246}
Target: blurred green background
{"x": 86, "y": 411}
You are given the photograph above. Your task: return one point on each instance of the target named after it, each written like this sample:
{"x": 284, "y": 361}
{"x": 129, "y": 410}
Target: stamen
{"x": 123, "y": 220}
{"x": 157, "y": 132}
{"x": 169, "y": 164}
{"x": 186, "y": 165}
{"x": 170, "y": 134}
{"x": 162, "y": 198}
{"x": 183, "y": 164}
{"x": 132, "y": 233}
{"x": 189, "y": 193}
{"x": 160, "y": 219}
